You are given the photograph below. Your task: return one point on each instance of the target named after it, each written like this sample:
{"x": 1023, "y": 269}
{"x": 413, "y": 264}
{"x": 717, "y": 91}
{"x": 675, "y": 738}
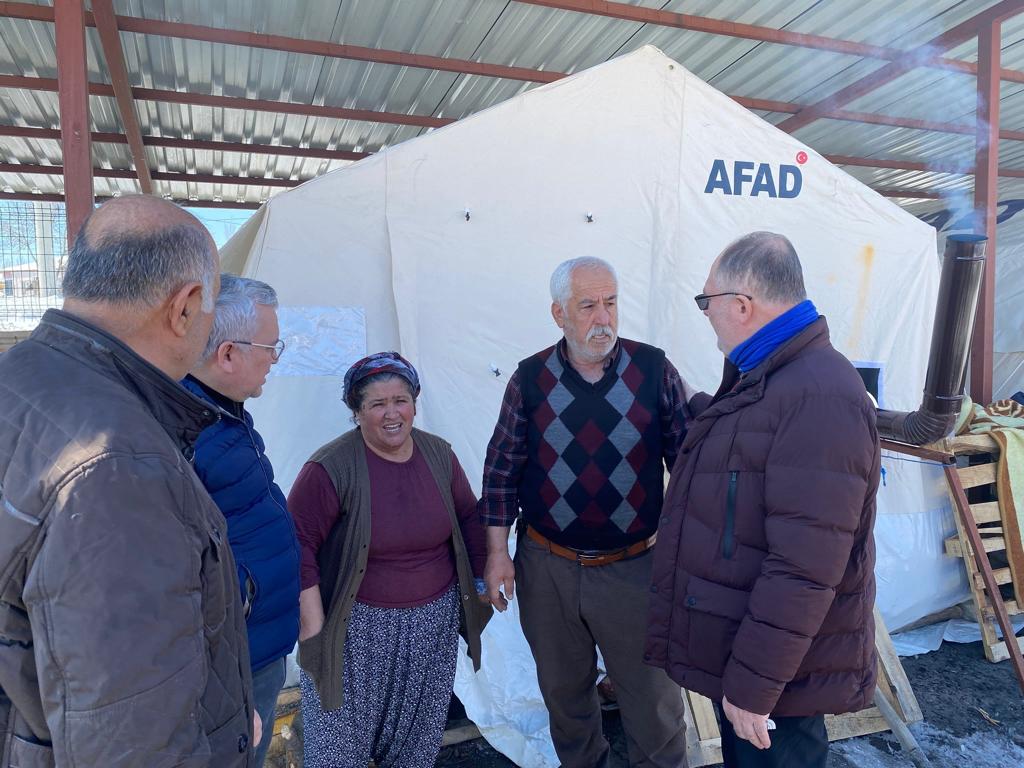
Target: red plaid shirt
{"x": 506, "y": 452}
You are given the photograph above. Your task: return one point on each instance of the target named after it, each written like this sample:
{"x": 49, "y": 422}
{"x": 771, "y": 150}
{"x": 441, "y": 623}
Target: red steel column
{"x": 986, "y": 179}
{"x": 73, "y": 95}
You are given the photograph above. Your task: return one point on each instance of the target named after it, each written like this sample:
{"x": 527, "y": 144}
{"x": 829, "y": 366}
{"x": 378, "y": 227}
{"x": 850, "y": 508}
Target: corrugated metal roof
{"x": 492, "y": 31}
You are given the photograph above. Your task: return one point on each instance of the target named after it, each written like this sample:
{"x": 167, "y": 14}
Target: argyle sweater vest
{"x": 594, "y": 473}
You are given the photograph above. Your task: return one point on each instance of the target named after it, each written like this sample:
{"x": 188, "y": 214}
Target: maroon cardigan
{"x": 763, "y": 584}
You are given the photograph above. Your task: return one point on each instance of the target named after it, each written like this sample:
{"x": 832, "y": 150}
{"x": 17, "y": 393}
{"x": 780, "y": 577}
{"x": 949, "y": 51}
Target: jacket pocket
{"x": 250, "y": 589}
{"x": 27, "y": 754}
{"x": 213, "y": 576}
{"x": 714, "y": 615}
{"x": 232, "y": 739}
{"x": 18, "y": 532}
{"x": 729, "y": 534}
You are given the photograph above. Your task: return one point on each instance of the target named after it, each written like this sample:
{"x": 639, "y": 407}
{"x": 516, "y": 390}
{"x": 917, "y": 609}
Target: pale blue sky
{"x": 222, "y": 222}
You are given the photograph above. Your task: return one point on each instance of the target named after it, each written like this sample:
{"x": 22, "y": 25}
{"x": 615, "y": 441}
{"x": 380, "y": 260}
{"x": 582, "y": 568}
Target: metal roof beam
{"x": 910, "y": 165}
{"x": 237, "y": 102}
{"x": 18, "y": 131}
{"x": 986, "y": 200}
{"x": 21, "y": 10}
{"x": 52, "y": 198}
{"x": 117, "y": 173}
{"x": 73, "y": 99}
{"x": 660, "y": 18}
{"x": 911, "y": 194}
{"x": 24, "y": 132}
{"x": 909, "y": 61}
{"x": 110, "y": 39}
{"x": 313, "y": 110}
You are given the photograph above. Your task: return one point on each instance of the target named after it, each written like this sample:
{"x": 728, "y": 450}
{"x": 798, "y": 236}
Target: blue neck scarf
{"x": 752, "y": 352}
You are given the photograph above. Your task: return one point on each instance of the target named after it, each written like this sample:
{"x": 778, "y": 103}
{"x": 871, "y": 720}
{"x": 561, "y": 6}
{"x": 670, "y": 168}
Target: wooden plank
{"x": 980, "y": 474}
{"x": 989, "y": 613}
{"x": 997, "y": 651}
{"x": 855, "y": 724}
{"x": 904, "y": 700}
{"x": 459, "y": 735}
{"x": 704, "y": 717}
{"x": 955, "y": 548}
{"x": 964, "y": 445}
{"x": 1003, "y": 576}
{"x": 986, "y": 512}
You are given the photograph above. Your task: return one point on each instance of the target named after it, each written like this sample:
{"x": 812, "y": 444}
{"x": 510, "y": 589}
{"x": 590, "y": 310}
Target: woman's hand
{"x": 311, "y": 613}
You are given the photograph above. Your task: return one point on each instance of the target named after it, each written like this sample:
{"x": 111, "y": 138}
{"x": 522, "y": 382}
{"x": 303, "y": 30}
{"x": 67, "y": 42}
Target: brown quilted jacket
{"x": 763, "y": 584}
{"x": 122, "y": 639}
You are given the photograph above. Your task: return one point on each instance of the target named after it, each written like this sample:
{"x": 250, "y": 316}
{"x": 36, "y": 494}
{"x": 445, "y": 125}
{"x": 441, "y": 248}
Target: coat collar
{"x": 181, "y": 414}
{"x": 739, "y": 390}
{"x": 227, "y": 406}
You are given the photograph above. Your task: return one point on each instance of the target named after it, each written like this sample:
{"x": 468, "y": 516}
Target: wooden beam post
{"x": 73, "y": 97}
{"x": 986, "y": 178}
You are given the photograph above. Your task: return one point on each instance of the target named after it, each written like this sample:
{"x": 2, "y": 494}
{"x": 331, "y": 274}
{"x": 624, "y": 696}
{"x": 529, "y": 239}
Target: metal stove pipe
{"x": 963, "y": 264}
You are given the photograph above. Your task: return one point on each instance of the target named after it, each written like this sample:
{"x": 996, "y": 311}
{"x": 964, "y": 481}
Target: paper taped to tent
{"x": 442, "y": 247}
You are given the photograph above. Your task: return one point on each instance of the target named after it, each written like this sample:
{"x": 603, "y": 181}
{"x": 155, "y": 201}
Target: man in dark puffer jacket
{"x": 231, "y": 462}
{"x": 763, "y": 582}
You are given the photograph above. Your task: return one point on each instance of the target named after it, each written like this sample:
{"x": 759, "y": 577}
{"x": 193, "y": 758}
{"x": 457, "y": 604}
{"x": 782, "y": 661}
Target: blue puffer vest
{"x": 231, "y": 463}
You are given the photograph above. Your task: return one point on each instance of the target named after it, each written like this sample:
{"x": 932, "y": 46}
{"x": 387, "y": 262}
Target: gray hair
{"x": 234, "y": 317}
{"x": 561, "y": 278}
{"x": 766, "y": 264}
{"x": 130, "y": 268}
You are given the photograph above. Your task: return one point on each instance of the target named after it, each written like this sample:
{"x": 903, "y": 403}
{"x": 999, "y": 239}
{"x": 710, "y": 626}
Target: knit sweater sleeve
{"x": 315, "y": 508}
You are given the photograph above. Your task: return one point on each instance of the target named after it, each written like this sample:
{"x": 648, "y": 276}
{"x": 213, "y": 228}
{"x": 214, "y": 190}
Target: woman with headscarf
{"x": 392, "y": 558}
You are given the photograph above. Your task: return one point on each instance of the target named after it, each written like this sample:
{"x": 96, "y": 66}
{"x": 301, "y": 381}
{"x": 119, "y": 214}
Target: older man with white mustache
{"x": 586, "y": 430}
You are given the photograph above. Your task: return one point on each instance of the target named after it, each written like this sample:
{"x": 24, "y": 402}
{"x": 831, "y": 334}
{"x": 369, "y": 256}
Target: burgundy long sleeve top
{"x": 411, "y": 561}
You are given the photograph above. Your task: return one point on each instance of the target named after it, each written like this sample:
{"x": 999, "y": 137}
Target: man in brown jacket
{"x": 763, "y": 581}
{"x": 122, "y": 640}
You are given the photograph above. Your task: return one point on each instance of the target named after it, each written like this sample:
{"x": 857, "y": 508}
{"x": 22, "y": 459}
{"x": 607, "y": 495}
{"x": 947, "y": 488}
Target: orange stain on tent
{"x": 867, "y": 261}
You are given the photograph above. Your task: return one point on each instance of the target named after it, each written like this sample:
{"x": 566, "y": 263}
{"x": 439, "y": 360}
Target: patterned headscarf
{"x": 381, "y": 362}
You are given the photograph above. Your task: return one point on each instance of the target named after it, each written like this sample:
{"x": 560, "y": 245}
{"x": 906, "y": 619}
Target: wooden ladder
{"x": 979, "y": 534}
{"x": 982, "y": 519}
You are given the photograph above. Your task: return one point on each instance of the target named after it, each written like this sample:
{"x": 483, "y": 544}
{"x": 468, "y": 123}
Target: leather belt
{"x": 591, "y": 557}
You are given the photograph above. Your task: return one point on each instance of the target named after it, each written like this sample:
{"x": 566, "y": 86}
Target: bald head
{"x": 136, "y": 251}
{"x": 764, "y": 264}
{"x": 135, "y": 214}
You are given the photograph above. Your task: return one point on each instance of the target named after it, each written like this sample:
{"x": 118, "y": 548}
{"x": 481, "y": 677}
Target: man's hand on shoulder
{"x": 749, "y": 726}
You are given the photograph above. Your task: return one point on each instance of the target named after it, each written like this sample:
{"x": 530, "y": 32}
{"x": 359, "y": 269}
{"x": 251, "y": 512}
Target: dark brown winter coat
{"x": 122, "y": 639}
{"x": 763, "y": 585}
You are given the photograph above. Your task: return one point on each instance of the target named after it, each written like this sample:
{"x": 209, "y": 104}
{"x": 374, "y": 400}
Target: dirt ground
{"x": 952, "y": 685}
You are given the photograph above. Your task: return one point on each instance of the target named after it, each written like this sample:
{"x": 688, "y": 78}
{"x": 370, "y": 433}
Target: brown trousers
{"x": 566, "y": 610}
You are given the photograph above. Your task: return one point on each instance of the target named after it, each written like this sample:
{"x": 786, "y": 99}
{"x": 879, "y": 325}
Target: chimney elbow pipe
{"x": 963, "y": 264}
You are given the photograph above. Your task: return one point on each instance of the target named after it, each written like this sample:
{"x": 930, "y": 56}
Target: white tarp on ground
{"x": 447, "y": 242}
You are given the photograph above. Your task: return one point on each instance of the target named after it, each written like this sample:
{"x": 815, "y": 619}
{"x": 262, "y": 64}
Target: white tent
{"x": 443, "y": 247}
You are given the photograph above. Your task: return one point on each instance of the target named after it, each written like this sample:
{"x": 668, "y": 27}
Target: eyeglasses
{"x": 703, "y": 299}
{"x": 276, "y": 349}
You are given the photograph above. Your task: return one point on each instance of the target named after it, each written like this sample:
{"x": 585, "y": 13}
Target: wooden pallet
{"x": 987, "y": 520}
{"x": 704, "y": 743}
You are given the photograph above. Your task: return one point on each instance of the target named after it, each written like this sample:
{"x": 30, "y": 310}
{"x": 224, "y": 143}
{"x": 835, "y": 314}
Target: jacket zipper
{"x": 728, "y": 540}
